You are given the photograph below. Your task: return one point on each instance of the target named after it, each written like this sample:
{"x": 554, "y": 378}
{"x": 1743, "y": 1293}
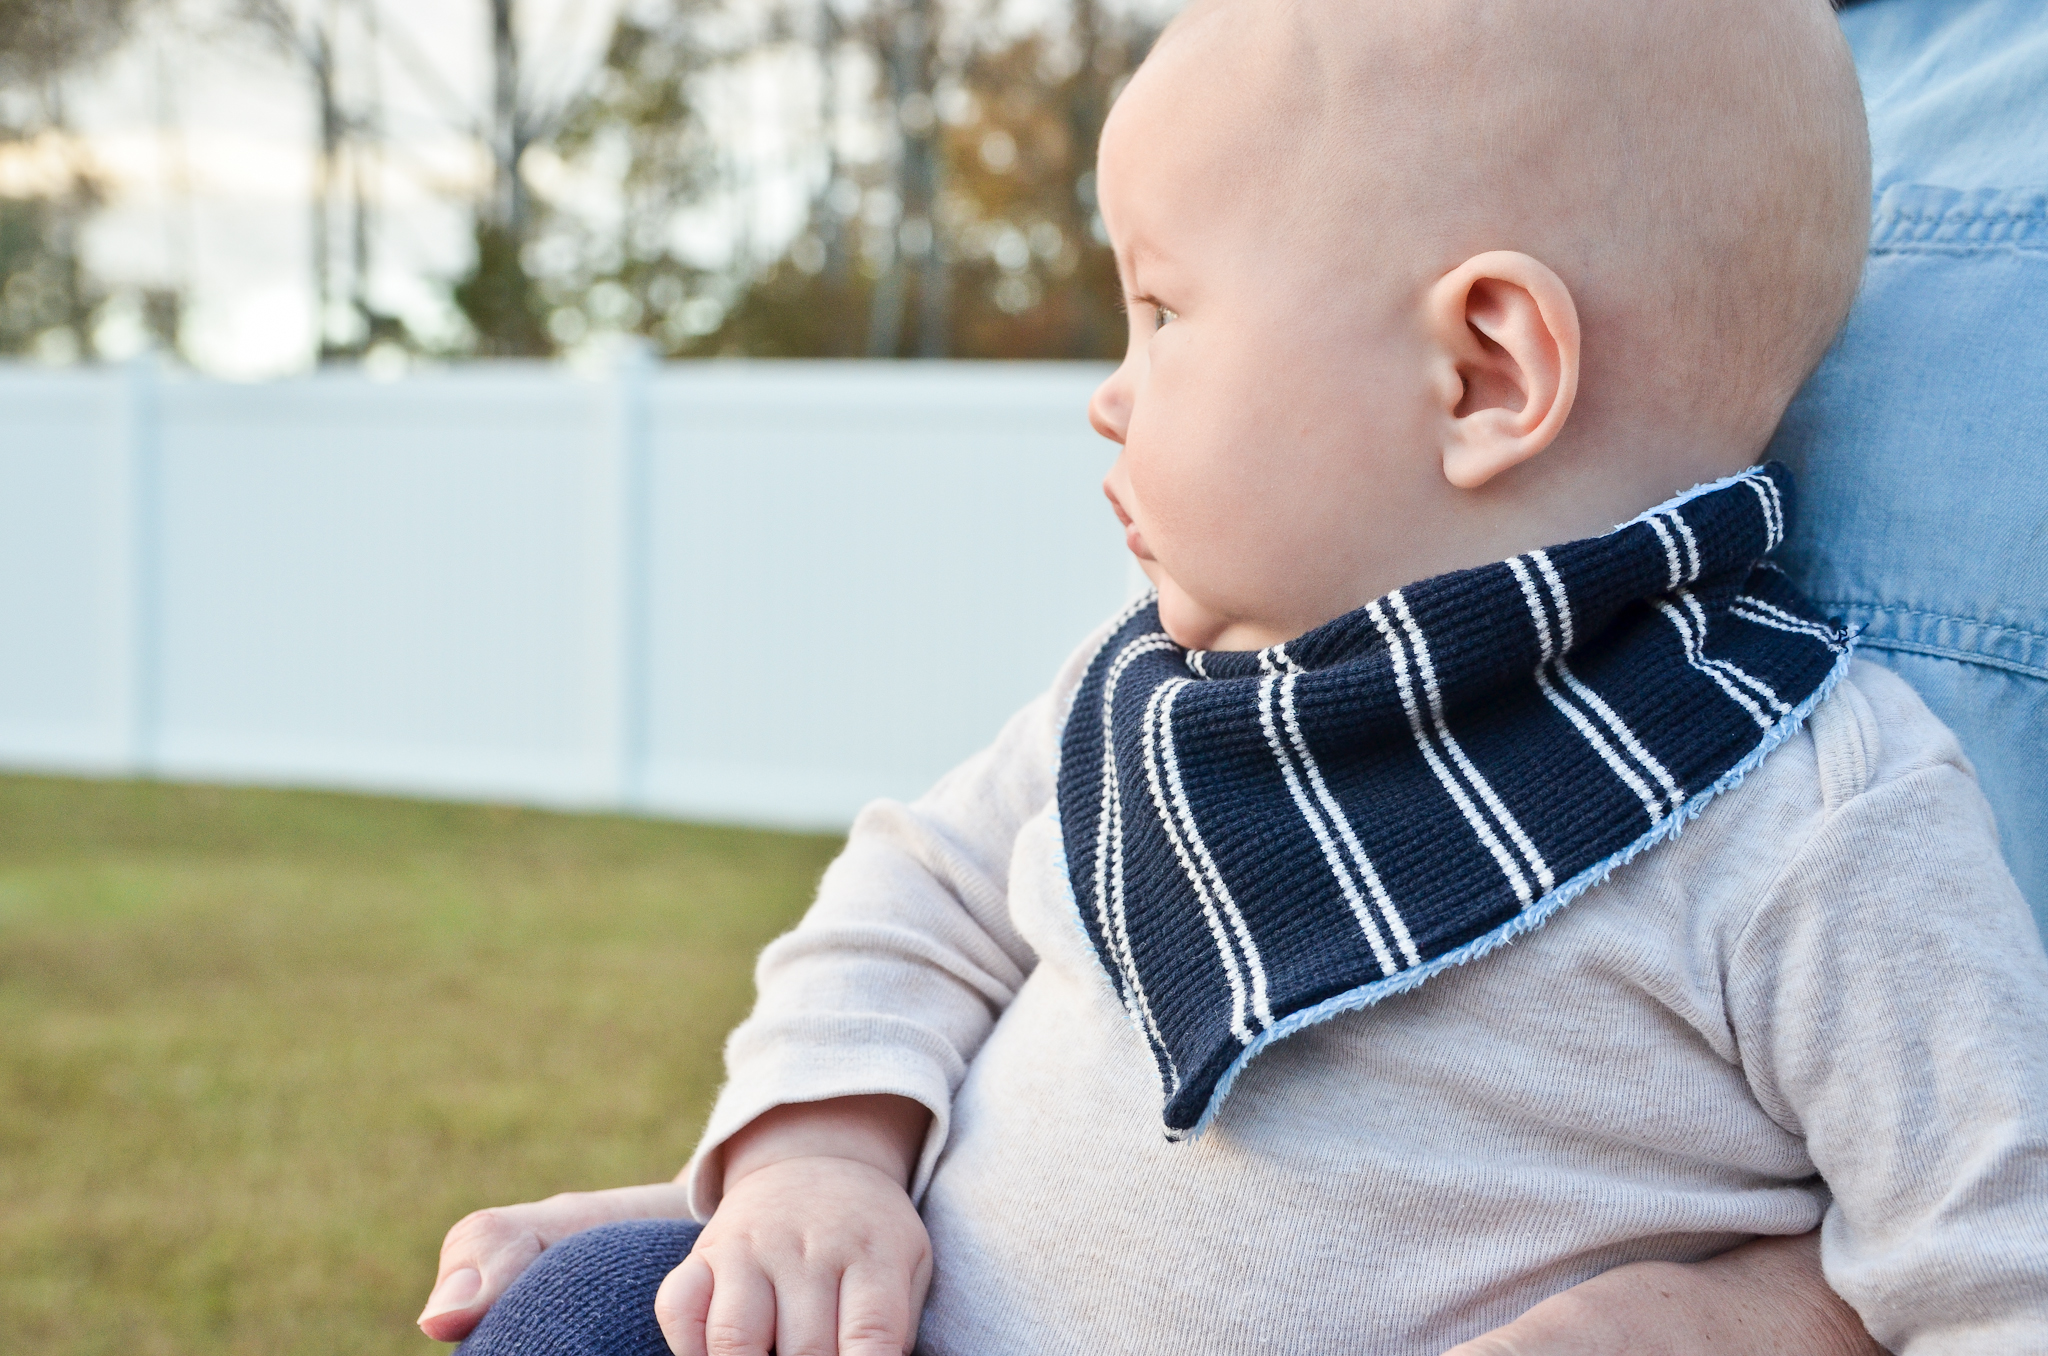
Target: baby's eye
{"x": 1164, "y": 314}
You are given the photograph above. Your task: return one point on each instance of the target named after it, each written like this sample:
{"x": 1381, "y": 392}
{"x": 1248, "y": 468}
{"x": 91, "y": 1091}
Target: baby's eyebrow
{"x": 1129, "y": 287}
{"x": 1127, "y": 278}
{"x": 1124, "y": 293}
{"x": 1127, "y": 261}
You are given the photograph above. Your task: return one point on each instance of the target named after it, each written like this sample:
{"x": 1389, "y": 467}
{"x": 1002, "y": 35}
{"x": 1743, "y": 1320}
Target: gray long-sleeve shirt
{"x": 1823, "y": 1003}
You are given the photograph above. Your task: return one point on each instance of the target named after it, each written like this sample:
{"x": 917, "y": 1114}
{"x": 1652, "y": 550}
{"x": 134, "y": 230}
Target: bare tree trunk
{"x": 509, "y": 132}
{"x": 910, "y": 57}
{"x": 320, "y": 58}
{"x": 498, "y": 297}
{"x": 67, "y": 228}
{"x": 366, "y": 143}
{"x": 166, "y": 305}
{"x": 885, "y": 309}
{"x": 924, "y": 168}
{"x": 831, "y": 223}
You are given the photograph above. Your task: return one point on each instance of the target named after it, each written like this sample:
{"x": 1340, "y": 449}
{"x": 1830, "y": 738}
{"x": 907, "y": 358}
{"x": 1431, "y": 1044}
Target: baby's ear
{"x": 1505, "y": 336}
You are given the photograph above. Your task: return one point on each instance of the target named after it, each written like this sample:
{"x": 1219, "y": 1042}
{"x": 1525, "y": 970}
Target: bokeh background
{"x": 256, "y": 185}
{"x": 442, "y": 632}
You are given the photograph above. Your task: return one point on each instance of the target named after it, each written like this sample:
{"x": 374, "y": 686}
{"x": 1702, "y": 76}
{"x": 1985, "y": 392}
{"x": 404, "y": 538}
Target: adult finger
{"x": 483, "y": 1254}
{"x": 1567, "y": 1325}
{"x": 741, "y": 1318}
{"x": 1497, "y": 1344}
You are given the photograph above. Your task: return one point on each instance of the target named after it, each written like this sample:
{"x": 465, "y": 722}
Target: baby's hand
{"x": 488, "y": 1250}
{"x": 809, "y": 1256}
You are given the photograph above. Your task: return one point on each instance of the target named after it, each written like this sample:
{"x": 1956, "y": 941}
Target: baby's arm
{"x": 1890, "y": 998}
{"x": 816, "y": 1247}
{"x": 840, "y": 1085}
{"x": 823, "y": 1203}
{"x": 887, "y": 987}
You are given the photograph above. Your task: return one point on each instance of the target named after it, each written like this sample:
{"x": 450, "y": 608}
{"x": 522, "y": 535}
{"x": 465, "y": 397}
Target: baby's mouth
{"x": 1134, "y": 540}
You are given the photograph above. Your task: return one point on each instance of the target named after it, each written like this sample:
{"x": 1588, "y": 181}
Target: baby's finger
{"x": 483, "y": 1254}
{"x": 876, "y": 1312}
{"x": 807, "y": 1315}
{"x": 741, "y": 1319}
{"x": 681, "y": 1304}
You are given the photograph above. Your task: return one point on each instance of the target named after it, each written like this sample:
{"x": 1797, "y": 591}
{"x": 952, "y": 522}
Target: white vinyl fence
{"x": 750, "y": 592}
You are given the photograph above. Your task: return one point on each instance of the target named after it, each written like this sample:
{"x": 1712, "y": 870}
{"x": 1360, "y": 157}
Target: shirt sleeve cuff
{"x": 813, "y": 1058}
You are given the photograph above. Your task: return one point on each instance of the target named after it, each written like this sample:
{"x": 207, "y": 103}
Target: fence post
{"x": 633, "y": 423}
{"x": 145, "y": 530}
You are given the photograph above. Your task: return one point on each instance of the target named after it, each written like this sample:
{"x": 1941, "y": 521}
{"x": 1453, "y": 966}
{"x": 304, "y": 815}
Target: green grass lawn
{"x": 258, "y": 1049}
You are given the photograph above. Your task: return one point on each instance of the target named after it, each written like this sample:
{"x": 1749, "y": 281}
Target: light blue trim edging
{"x": 1682, "y": 498}
{"x": 1529, "y": 919}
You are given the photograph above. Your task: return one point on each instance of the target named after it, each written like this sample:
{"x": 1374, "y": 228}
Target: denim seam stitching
{"x": 1878, "y": 642}
{"x": 1965, "y": 216}
{"x": 1996, "y": 628}
{"x": 1986, "y": 661}
{"x": 1940, "y": 248}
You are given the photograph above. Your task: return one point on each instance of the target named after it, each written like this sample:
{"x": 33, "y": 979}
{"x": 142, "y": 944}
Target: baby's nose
{"x": 1108, "y": 412}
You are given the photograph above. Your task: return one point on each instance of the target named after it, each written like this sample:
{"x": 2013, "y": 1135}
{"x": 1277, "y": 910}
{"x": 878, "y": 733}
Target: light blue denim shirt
{"x": 1921, "y": 444}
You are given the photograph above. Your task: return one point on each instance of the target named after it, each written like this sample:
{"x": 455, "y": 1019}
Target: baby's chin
{"x": 1193, "y": 626}
{"x": 1187, "y": 623}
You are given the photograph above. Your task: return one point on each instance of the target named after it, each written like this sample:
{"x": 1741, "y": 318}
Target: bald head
{"x": 1696, "y": 171}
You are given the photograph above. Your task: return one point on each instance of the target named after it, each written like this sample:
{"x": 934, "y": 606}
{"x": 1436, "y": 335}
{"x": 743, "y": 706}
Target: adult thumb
{"x": 481, "y": 1257}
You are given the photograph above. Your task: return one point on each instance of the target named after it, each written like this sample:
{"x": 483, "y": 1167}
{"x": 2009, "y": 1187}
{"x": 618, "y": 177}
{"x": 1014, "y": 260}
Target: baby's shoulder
{"x": 1869, "y": 734}
{"x": 1872, "y": 731}
{"x": 1857, "y": 782}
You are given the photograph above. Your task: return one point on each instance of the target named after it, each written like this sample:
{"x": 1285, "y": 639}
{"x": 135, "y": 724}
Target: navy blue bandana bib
{"x": 1258, "y": 841}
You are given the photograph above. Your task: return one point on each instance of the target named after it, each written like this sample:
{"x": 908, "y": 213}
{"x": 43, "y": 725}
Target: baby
{"x": 1425, "y": 296}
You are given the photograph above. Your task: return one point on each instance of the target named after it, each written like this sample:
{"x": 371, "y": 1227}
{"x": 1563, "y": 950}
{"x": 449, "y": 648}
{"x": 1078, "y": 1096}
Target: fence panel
{"x": 67, "y": 571}
{"x": 846, "y": 603}
{"x": 748, "y": 592}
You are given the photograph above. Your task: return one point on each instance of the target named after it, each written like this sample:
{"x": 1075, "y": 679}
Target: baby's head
{"x": 1415, "y": 285}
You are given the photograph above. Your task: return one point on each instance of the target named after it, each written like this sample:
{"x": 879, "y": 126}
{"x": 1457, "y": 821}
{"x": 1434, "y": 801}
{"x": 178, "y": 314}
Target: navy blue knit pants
{"x": 592, "y": 1294}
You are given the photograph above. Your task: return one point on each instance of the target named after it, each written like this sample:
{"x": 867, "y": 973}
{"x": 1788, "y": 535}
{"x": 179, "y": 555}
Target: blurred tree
{"x": 906, "y": 39}
{"x": 499, "y": 297}
{"x": 41, "y": 40}
{"x": 1037, "y": 278}
{"x": 951, "y": 163}
{"x": 47, "y": 299}
{"x": 637, "y": 123}
{"x": 981, "y": 222}
{"x": 340, "y": 65}
{"x": 543, "y": 277}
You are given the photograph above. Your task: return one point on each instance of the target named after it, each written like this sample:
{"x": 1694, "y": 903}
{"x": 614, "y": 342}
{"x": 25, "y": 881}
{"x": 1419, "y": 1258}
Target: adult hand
{"x": 815, "y": 1248}
{"x": 488, "y": 1250}
{"x": 1763, "y": 1298}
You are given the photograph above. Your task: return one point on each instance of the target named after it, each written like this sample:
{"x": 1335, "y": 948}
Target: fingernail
{"x": 455, "y": 1291}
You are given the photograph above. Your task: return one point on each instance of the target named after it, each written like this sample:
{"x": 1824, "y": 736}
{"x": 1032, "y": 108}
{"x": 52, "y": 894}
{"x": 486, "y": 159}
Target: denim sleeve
{"x": 1922, "y": 441}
